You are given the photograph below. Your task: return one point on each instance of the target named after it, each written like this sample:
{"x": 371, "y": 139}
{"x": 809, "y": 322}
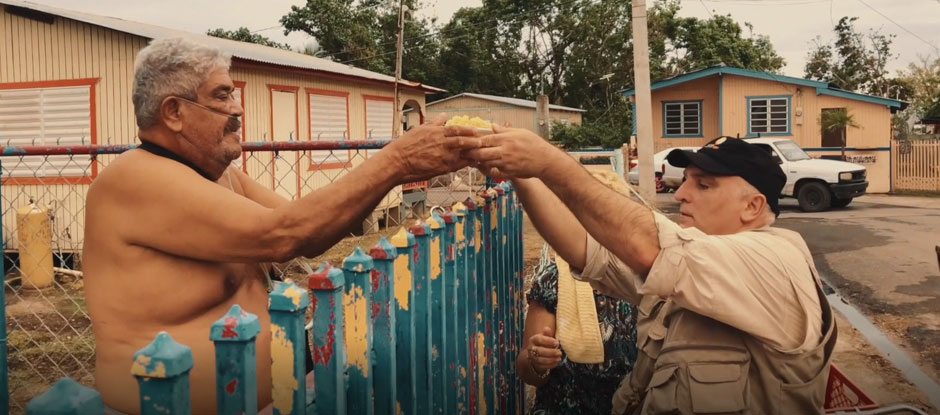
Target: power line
{"x": 902, "y": 27}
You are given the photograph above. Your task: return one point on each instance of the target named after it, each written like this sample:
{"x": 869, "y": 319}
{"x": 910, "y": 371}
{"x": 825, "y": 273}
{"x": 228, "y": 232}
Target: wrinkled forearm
{"x": 621, "y": 225}
{"x": 314, "y": 223}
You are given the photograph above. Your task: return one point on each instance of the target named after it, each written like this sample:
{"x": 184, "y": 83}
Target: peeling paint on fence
{"x": 356, "y": 309}
{"x": 282, "y": 370}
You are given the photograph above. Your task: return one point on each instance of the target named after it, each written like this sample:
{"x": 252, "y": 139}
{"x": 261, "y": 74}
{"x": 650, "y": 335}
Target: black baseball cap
{"x": 736, "y": 157}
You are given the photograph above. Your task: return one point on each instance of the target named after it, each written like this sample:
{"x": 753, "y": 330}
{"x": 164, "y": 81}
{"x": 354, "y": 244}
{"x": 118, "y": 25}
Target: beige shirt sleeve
{"x": 608, "y": 274}
{"x": 758, "y": 282}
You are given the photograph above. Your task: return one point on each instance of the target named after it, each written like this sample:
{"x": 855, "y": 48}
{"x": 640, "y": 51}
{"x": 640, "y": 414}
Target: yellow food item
{"x": 466, "y": 121}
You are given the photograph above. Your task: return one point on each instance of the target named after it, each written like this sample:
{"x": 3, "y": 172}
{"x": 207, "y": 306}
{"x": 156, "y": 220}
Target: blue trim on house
{"x": 700, "y": 113}
{"x": 721, "y": 105}
{"x": 890, "y": 103}
{"x": 822, "y": 88}
{"x": 789, "y": 132}
{"x": 719, "y": 70}
{"x": 847, "y": 149}
{"x": 633, "y": 111}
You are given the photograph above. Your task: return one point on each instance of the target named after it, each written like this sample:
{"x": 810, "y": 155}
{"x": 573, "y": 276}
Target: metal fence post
{"x": 383, "y": 315}
{"x": 357, "y": 302}
{"x": 404, "y": 243}
{"x": 4, "y": 355}
{"x": 67, "y": 397}
{"x": 488, "y": 305}
{"x": 162, "y": 371}
{"x": 461, "y": 303}
{"x": 422, "y": 316}
{"x": 328, "y": 340}
{"x": 438, "y": 316}
{"x": 287, "y": 305}
{"x": 236, "y": 382}
{"x": 473, "y": 332}
{"x": 451, "y": 315}
{"x": 499, "y": 244}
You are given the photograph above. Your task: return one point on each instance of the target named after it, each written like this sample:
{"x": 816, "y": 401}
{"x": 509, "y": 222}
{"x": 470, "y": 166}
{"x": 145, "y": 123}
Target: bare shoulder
{"x": 137, "y": 172}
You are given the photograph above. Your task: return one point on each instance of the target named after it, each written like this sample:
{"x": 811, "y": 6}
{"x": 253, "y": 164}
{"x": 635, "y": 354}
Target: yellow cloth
{"x": 576, "y": 318}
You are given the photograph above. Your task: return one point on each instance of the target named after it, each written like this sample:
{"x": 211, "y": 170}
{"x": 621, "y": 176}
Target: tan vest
{"x": 691, "y": 364}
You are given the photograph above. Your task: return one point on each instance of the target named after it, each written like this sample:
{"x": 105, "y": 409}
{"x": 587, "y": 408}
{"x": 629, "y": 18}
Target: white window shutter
{"x": 51, "y": 117}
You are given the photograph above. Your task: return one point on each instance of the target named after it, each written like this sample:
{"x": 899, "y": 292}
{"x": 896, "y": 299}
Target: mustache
{"x": 234, "y": 124}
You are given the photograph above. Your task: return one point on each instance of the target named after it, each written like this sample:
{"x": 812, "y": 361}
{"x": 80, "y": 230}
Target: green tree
{"x": 920, "y": 84}
{"x": 242, "y": 34}
{"x": 854, "y": 61}
{"x": 364, "y": 34}
{"x": 837, "y": 120}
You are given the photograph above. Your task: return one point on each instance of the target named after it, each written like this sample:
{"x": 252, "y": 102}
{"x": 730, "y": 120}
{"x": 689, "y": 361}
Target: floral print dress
{"x": 575, "y": 388}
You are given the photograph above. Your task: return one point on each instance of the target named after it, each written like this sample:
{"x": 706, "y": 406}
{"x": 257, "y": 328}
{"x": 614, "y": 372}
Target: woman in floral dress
{"x": 568, "y": 387}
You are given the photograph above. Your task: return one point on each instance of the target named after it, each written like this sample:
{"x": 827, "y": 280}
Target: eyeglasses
{"x": 231, "y": 117}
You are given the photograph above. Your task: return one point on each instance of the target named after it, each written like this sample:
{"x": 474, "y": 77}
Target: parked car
{"x": 818, "y": 184}
{"x": 668, "y": 177}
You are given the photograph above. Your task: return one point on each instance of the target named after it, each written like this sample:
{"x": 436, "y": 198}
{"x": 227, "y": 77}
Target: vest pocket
{"x": 661, "y": 394}
{"x": 717, "y": 388}
{"x": 804, "y": 398}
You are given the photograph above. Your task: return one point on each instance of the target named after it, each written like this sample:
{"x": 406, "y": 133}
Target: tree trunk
{"x": 843, "y": 144}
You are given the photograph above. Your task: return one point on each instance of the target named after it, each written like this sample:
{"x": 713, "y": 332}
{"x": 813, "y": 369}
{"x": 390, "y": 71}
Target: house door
{"x": 832, "y": 138}
{"x": 284, "y": 128}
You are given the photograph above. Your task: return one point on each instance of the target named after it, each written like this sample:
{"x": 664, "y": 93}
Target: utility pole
{"x": 396, "y": 113}
{"x": 644, "y": 105}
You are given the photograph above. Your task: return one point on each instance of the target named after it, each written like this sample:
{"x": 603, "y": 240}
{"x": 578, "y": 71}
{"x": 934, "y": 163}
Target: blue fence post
{"x": 357, "y": 302}
{"x": 501, "y": 305}
{"x": 162, "y": 371}
{"x": 236, "y": 382}
{"x": 452, "y": 335}
{"x": 462, "y": 334}
{"x": 407, "y": 396}
{"x": 488, "y": 305}
{"x": 422, "y": 316}
{"x": 328, "y": 340}
{"x": 470, "y": 231}
{"x": 515, "y": 285}
{"x": 67, "y": 397}
{"x": 519, "y": 266}
{"x": 383, "y": 317}
{"x": 438, "y": 316}
{"x": 287, "y": 305}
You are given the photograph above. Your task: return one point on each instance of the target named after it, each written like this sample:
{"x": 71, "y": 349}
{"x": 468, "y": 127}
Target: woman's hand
{"x": 544, "y": 353}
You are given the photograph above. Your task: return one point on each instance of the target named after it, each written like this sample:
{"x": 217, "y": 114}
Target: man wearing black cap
{"x": 732, "y": 318}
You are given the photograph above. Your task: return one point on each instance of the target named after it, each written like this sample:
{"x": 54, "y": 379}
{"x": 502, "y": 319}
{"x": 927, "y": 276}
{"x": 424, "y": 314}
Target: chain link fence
{"x": 49, "y": 333}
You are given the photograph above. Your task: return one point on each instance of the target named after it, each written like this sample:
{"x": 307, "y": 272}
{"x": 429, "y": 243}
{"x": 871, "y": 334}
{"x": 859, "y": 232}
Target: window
{"x": 329, "y": 121}
{"x": 59, "y": 115}
{"x": 682, "y": 119}
{"x": 379, "y": 118}
{"x": 768, "y": 116}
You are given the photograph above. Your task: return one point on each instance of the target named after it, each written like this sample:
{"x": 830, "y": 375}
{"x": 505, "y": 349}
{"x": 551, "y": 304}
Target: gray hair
{"x": 168, "y": 67}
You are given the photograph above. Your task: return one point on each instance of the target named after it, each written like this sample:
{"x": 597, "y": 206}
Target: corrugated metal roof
{"x": 243, "y": 50}
{"x": 505, "y": 100}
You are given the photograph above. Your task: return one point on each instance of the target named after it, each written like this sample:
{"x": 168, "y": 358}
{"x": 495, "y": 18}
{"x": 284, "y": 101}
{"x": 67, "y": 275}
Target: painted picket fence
{"x": 427, "y": 322}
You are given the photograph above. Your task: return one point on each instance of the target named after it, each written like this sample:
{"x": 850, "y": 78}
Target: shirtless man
{"x": 174, "y": 234}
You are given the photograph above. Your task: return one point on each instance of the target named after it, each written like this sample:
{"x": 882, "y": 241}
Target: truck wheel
{"x": 814, "y": 197}
{"x": 839, "y": 203}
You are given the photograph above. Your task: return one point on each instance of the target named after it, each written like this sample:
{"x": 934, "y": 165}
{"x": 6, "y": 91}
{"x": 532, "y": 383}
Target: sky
{"x": 792, "y": 25}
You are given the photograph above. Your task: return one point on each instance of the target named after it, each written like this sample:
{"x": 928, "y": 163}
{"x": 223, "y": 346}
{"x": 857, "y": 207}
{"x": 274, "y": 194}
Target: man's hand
{"x": 544, "y": 354}
{"x": 514, "y": 153}
{"x": 432, "y": 149}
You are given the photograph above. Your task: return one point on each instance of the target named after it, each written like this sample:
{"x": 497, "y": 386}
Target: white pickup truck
{"x": 817, "y": 184}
